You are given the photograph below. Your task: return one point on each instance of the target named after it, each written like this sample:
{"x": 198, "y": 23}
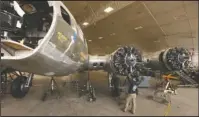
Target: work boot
{"x": 124, "y": 110}
{"x": 175, "y": 92}
{"x": 133, "y": 112}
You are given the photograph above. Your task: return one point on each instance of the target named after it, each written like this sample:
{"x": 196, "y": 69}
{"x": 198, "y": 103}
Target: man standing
{"x": 132, "y": 91}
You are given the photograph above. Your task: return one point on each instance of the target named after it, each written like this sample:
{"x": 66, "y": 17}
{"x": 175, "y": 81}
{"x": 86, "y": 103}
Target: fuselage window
{"x": 65, "y": 15}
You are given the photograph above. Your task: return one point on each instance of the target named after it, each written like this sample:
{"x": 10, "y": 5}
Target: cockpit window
{"x": 65, "y": 15}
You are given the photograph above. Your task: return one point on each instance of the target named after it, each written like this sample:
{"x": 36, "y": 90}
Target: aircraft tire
{"x": 16, "y": 87}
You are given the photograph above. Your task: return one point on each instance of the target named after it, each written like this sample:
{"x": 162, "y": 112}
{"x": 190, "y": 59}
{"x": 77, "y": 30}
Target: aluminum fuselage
{"x": 63, "y": 49}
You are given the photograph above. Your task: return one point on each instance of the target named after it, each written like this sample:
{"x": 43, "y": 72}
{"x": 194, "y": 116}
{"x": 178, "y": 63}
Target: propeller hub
{"x": 130, "y": 60}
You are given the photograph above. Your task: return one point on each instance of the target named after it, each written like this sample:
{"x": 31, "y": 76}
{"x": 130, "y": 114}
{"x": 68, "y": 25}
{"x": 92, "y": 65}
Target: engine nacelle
{"x": 171, "y": 59}
{"x": 175, "y": 58}
{"x": 122, "y": 62}
{"x": 98, "y": 62}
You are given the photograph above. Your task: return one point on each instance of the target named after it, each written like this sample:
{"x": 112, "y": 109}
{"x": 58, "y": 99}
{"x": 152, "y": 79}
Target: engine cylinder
{"x": 170, "y": 60}
{"x": 124, "y": 60}
{"x": 175, "y": 58}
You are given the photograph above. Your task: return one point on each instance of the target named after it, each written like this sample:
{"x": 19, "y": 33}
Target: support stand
{"x": 89, "y": 91}
{"x": 52, "y": 89}
{"x": 71, "y": 86}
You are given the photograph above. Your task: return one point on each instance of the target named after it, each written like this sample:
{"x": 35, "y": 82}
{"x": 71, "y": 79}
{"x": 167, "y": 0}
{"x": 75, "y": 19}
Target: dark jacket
{"x": 132, "y": 90}
{"x": 133, "y": 87}
{"x": 134, "y": 83}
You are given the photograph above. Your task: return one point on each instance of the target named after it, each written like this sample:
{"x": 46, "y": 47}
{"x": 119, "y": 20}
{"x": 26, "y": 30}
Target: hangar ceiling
{"x": 150, "y": 26}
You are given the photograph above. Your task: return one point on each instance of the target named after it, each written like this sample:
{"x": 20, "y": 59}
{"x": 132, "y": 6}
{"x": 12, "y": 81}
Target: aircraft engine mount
{"x": 122, "y": 61}
{"x": 175, "y": 58}
{"x": 170, "y": 60}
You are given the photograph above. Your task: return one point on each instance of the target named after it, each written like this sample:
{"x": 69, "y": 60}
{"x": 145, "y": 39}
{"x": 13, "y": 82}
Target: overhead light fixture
{"x": 85, "y": 23}
{"x": 108, "y": 9}
{"x": 139, "y": 27}
{"x": 157, "y": 41}
{"x": 112, "y": 34}
{"x": 89, "y": 40}
{"x": 100, "y": 37}
{"x": 180, "y": 17}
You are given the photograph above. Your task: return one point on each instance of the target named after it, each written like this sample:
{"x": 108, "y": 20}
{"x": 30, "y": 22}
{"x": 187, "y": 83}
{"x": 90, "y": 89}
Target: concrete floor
{"x": 183, "y": 104}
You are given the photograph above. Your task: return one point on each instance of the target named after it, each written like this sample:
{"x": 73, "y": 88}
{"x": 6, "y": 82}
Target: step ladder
{"x": 186, "y": 78}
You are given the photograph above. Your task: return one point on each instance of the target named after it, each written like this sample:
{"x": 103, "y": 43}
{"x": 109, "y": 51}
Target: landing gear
{"x": 21, "y": 85}
{"x": 17, "y": 87}
{"x": 20, "y": 82}
{"x": 52, "y": 88}
{"x": 114, "y": 84}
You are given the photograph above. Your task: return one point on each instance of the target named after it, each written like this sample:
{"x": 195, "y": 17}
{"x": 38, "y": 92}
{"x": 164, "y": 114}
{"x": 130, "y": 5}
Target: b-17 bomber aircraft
{"x": 43, "y": 37}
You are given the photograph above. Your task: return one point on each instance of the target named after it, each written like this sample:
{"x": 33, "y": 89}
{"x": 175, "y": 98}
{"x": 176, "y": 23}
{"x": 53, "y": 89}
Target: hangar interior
{"x": 149, "y": 26}
{"x": 160, "y": 24}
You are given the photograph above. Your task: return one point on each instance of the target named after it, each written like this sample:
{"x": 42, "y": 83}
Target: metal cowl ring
{"x": 125, "y": 59}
